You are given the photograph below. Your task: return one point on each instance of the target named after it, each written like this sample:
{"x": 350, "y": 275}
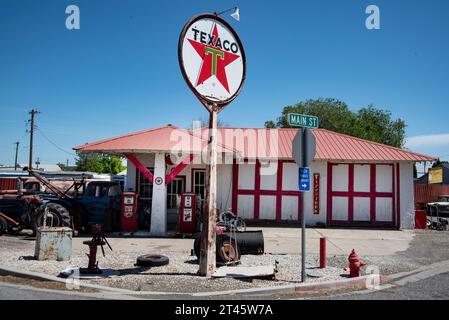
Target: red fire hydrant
{"x": 354, "y": 264}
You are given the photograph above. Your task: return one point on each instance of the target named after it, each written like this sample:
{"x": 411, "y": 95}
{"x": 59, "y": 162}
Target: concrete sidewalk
{"x": 285, "y": 240}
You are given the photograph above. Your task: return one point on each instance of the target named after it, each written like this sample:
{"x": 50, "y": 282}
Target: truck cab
{"x": 102, "y": 201}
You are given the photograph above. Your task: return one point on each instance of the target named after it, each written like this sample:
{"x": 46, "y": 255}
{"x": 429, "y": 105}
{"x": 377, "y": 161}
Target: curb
{"x": 360, "y": 282}
{"x": 45, "y": 277}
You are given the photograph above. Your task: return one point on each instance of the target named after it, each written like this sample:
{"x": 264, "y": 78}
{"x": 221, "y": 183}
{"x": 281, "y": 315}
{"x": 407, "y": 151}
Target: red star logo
{"x": 215, "y": 60}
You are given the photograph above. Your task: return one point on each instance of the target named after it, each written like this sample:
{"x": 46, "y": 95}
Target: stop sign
{"x": 304, "y": 147}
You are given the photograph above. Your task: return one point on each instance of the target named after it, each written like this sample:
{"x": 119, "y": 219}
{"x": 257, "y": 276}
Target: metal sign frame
{"x": 207, "y": 102}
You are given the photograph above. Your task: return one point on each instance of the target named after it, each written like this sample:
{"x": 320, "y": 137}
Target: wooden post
{"x": 208, "y": 254}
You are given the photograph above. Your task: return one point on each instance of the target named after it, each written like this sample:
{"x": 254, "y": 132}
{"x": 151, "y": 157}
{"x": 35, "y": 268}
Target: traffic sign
{"x": 302, "y": 120}
{"x": 297, "y": 147}
{"x": 304, "y": 179}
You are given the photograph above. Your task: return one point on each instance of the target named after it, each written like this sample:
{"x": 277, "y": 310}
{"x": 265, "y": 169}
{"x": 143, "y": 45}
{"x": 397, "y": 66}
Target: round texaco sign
{"x": 212, "y": 59}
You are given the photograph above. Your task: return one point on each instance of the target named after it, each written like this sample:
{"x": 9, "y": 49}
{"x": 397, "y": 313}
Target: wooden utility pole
{"x": 208, "y": 232}
{"x": 30, "y": 160}
{"x": 17, "y": 153}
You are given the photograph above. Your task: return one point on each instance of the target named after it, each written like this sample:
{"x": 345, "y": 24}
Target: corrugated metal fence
{"x": 8, "y": 183}
{"x": 429, "y": 193}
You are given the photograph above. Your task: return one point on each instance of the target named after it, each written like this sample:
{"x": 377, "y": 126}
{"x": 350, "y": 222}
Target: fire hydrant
{"x": 354, "y": 264}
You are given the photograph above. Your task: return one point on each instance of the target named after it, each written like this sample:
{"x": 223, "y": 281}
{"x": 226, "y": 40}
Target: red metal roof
{"x": 167, "y": 138}
{"x": 254, "y": 142}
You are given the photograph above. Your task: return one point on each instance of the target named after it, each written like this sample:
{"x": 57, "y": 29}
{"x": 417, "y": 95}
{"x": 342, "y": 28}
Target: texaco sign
{"x": 212, "y": 59}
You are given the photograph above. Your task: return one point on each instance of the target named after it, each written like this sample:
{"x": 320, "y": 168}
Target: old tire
{"x": 152, "y": 260}
{"x": 3, "y": 226}
{"x": 58, "y": 216}
{"x": 227, "y": 250}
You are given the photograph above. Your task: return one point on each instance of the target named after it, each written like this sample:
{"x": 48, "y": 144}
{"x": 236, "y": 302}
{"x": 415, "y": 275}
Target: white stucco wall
{"x": 130, "y": 181}
{"x": 290, "y": 182}
{"x": 407, "y": 196}
{"x": 311, "y": 218}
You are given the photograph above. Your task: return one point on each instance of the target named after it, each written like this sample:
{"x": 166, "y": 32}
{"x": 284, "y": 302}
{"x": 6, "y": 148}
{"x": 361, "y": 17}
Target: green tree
{"x": 367, "y": 123}
{"x": 99, "y": 163}
{"x": 270, "y": 124}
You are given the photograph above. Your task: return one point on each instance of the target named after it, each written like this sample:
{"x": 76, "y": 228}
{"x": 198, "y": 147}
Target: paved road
{"x": 433, "y": 288}
{"x": 19, "y": 292}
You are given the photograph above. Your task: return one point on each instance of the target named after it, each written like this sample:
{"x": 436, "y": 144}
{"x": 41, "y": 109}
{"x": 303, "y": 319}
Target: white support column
{"x": 159, "y": 202}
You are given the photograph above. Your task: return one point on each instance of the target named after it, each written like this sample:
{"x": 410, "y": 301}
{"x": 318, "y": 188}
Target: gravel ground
{"x": 180, "y": 274}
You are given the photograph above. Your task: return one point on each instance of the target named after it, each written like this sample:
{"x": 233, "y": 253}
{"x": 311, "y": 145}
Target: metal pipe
{"x": 8, "y": 218}
{"x": 303, "y": 214}
{"x": 323, "y": 252}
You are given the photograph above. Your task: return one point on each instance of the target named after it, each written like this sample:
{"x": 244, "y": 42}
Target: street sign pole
{"x": 303, "y": 214}
{"x": 209, "y": 218}
{"x": 303, "y": 152}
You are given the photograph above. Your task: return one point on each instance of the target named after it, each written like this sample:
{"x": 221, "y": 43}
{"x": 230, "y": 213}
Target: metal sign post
{"x": 213, "y": 64}
{"x": 303, "y": 147}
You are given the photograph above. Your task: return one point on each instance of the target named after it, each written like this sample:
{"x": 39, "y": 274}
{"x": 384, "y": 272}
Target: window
{"x": 97, "y": 190}
{"x": 145, "y": 186}
{"x": 174, "y": 189}
{"x": 199, "y": 183}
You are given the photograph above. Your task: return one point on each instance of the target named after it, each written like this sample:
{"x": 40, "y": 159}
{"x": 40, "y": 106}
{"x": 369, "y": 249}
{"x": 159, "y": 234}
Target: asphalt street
{"x": 433, "y": 288}
{"x": 18, "y": 292}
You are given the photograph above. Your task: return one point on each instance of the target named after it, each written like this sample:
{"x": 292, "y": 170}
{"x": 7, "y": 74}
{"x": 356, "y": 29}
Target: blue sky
{"x": 119, "y": 73}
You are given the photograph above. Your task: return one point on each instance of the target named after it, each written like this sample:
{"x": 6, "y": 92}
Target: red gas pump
{"x": 187, "y": 213}
{"x": 128, "y": 218}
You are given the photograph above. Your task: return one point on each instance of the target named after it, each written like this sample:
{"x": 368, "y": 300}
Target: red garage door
{"x": 361, "y": 194}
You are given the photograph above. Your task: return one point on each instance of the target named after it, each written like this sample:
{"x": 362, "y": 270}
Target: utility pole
{"x": 17, "y": 152}
{"x": 33, "y": 112}
{"x": 67, "y": 163}
{"x": 209, "y": 218}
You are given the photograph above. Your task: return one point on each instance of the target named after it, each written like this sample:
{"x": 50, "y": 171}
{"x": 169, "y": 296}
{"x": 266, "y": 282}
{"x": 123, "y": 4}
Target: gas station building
{"x": 354, "y": 182}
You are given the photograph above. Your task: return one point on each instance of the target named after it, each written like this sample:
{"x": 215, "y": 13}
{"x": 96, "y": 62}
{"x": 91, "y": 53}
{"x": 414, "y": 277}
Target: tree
{"x": 270, "y": 124}
{"x": 367, "y": 123}
{"x": 204, "y": 123}
{"x": 99, "y": 163}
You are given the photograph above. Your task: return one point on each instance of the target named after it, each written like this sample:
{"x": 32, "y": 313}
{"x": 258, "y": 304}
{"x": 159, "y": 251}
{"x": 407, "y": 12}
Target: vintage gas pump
{"x": 187, "y": 214}
{"x": 128, "y": 217}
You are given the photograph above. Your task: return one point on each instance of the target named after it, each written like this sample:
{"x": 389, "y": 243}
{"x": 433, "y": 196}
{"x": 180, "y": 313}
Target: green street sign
{"x": 302, "y": 120}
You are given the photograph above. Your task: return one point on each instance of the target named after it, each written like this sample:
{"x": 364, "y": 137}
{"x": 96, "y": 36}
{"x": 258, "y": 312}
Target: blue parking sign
{"x": 304, "y": 179}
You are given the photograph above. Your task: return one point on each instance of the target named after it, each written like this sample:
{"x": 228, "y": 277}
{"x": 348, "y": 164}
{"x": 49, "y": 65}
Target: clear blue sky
{"x": 119, "y": 73}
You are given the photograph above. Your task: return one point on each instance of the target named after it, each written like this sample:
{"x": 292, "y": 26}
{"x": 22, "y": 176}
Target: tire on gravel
{"x": 152, "y": 260}
{"x": 3, "y": 226}
{"x": 61, "y": 216}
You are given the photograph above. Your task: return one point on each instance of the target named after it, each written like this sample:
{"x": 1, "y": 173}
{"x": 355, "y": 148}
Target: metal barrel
{"x": 248, "y": 242}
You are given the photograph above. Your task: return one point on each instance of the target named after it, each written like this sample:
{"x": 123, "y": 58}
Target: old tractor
{"x": 42, "y": 202}
{"x": 21, "y": 211}
{"x": 98, "y": 202}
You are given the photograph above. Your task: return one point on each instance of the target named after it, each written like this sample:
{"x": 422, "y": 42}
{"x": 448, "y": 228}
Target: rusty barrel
{"x": 248, "y": 242}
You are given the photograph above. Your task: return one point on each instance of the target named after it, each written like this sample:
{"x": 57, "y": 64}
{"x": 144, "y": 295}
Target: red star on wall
{"x": 215, "y": 60}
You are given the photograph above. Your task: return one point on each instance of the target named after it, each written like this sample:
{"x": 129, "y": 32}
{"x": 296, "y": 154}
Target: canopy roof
{"x": 252, "y": 143}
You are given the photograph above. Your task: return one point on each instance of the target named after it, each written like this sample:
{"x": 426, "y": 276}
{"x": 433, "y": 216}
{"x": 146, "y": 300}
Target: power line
{"x": 54, "y": 144}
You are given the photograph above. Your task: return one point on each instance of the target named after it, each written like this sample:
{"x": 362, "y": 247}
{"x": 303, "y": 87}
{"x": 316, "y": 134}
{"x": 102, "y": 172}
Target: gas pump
{"x": 128, "y": 217}
{"x": 187, "y": 214}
